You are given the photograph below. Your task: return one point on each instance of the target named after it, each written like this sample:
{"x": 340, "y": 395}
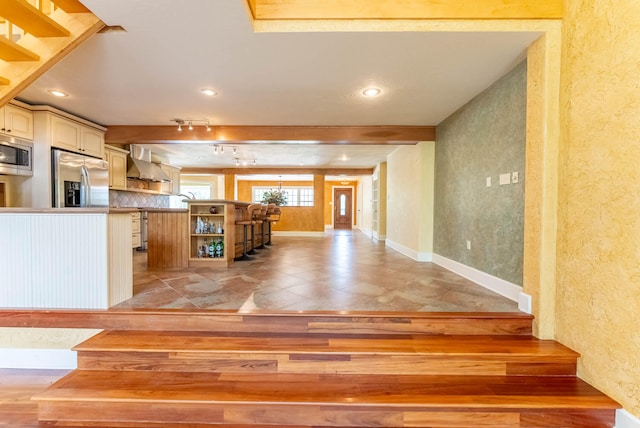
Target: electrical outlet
{"x": 514, "y": 177}
{"x": 488, "y": 181}
{"x": 468, "y": 245}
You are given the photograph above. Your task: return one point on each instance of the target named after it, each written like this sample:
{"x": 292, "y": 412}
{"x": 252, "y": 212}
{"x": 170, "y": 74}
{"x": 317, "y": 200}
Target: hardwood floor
{"x": 327, "y": 370}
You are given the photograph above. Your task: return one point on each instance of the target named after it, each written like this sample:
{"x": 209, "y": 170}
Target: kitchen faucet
{"x": 193, "y": 196}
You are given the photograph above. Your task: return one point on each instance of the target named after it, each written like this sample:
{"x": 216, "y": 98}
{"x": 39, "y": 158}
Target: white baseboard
{"x": 524, "y": 302}
{"x": 625, "y": 419}
{"x": 328, "y": 226}
{"x": 296, "y": 233}
{"x": 367, "y": 232}
{"x": 409, "y": 252}
{"x": 38, "y": 359}
{"x": 504, "y": 288}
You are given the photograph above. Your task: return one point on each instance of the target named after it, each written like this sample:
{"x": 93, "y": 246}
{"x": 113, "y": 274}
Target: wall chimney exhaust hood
{"x": 141, "y": 167}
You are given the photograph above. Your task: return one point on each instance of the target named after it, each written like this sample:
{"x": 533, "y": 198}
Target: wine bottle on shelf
{"x": 212, "y": 249}
{"x": 220, "y": 248}
{"x": 206, "y": 248}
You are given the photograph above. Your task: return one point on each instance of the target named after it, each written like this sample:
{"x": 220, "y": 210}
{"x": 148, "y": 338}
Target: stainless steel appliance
{"x": 79, "y": 181}
{"x": 144, "y": 231}
{"x": 16, "y": 156}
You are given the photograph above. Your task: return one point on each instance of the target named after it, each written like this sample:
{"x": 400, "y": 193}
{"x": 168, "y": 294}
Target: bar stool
{"x": 255, "y": 219}
{"x": 261, "y": 219}
{"x": 273, "y": 215}
{"x": 246, "y": 221}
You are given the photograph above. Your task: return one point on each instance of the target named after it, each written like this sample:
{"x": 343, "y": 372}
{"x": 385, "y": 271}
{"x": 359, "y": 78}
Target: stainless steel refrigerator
{"x": 79, "y": 181}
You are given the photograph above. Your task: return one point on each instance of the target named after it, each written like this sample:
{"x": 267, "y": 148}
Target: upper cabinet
{"x": 76, "y": 137}
{"x": 117, "y": 159}
{"x": 172, "y": 188}
{"x": 16, "y": 121}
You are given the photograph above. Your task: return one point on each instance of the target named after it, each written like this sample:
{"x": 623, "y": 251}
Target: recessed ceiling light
{"x": 371, "y": 92}
{"x": 57, "y": 93}
{"x": 208, "y": 92}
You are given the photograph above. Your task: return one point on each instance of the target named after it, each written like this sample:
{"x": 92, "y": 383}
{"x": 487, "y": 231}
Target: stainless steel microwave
{"x": 16, "y": 156}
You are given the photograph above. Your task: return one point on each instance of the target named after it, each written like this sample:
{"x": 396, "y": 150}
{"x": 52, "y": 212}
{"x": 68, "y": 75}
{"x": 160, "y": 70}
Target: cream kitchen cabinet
{"x": 16, "y": 121}
{"x": 172, "y": 188}
{"x": 117, "y": 159}
{"x": 135, "y": 230}
{"x": 69, "y": 135}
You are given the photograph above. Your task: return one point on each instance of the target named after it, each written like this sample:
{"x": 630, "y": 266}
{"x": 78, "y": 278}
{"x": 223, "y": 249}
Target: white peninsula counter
{"x": 65, "y": 258}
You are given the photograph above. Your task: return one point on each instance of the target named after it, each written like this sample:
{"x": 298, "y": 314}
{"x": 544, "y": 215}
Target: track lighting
{"x": 240, "y": 159}
{"x": 191, "y": 122}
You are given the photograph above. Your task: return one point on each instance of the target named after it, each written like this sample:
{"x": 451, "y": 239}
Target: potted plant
{"x": 274, "y": 196}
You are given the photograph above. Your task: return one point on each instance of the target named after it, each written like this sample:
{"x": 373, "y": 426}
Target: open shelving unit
{"x": 222, "y": 215}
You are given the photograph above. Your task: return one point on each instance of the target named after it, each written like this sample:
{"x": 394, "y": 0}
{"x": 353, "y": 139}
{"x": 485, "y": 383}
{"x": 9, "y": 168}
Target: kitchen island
{"x": 183, "y": 237}
{"x": 65, "y": 257}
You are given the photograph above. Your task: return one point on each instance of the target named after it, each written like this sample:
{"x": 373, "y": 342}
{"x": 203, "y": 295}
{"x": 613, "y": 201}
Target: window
{"x": 343, "y": 205}
{"x": 296, "y": 196}
{"x": 199, "y": 191}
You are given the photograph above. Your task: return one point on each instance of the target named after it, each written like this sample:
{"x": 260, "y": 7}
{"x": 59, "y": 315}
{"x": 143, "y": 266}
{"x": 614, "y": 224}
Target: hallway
{"x": 340, "y": 271}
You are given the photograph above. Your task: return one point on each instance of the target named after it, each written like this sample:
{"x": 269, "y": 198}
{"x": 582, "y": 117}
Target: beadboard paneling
{"x": 120, "y": 259}
{"x": 54, "y": 261}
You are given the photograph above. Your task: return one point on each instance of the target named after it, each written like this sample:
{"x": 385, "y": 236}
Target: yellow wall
{"x": 328, "y": 201}
{"x": 598, "y": 258}
{"x": 299, "y": 219}
{"x": 410, "y": 188}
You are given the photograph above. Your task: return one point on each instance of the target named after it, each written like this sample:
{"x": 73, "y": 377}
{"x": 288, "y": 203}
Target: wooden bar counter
{"x": 167, "y": 238}
{"x": 177, "y": 237}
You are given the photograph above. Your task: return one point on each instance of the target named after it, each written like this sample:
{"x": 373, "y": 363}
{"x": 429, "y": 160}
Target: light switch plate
{"x": 488, "y": 181}
{"x": 505, "y": 179}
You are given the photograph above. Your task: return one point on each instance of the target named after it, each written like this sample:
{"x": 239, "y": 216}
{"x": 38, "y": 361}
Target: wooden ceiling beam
{"x": 278, "y": 171}
{"x": 121, "y": 134}
{"x": 264, "y": 10}
{"x": 31, "y": 20}
{"x": 71, "y": 6}
{"x": 11, "y": 51}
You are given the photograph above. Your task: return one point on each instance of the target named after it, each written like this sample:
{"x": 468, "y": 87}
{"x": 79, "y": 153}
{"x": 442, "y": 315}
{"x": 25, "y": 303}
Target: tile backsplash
{"x": 139, "y": 200}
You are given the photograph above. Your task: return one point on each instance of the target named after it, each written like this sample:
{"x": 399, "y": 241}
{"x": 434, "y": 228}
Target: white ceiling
{"x": 154, "y": 71}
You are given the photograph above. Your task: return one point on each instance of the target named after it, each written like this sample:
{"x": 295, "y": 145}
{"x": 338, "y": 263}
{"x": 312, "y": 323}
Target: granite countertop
{"x": 164, "y": 210}
{"x": 55, "y": 210}
{"x": 110, "y": 210}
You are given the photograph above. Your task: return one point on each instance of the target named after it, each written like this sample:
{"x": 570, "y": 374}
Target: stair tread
{"x": 198, "y": 342}
{"x": 315, "y": 322}
{"x": 328, "y": 389}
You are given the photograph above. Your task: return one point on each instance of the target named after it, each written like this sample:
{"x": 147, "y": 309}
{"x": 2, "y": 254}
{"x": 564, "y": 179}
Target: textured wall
{"x": 598, "y": 275}
{"x": 483, "y": 139}
{"x": 410, "y": 208}
{"x": 307, "y": 219}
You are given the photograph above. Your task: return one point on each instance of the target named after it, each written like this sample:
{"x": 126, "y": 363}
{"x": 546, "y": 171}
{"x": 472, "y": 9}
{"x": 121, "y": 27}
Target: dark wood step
{"x": 94, "y": 396}
{"x": 284, "y": 353}
{"x": 309, "y": 322}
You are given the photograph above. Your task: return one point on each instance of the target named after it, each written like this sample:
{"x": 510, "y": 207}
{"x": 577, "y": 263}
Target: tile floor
{"x": 343, "y": 270}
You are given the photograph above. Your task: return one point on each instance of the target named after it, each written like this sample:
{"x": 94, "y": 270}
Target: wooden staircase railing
{"x": 35, "y": 35}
